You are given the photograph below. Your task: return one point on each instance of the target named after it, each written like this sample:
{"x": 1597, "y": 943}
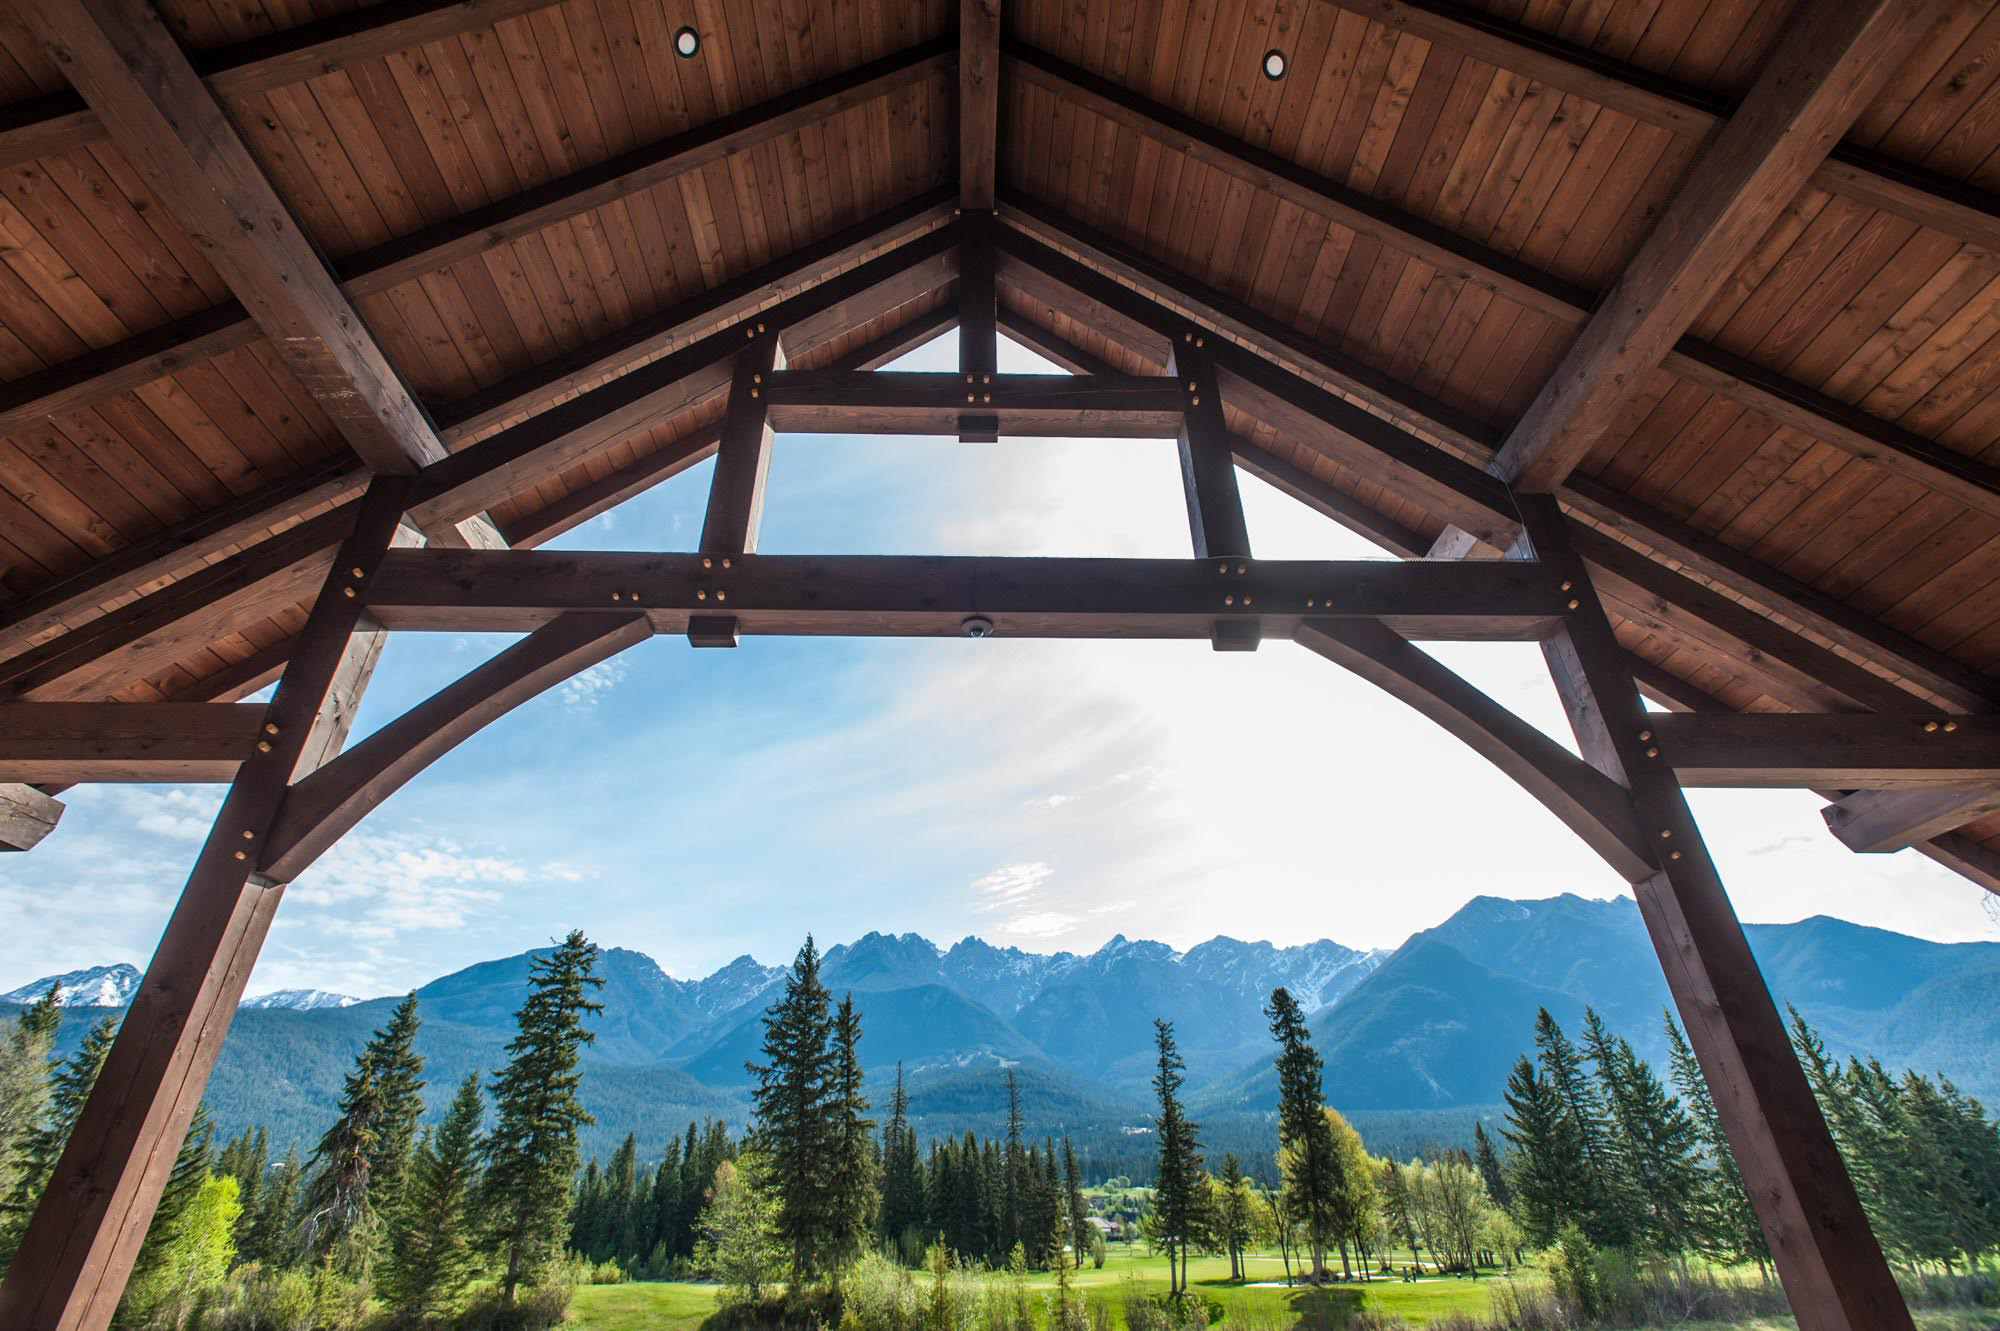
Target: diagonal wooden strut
{"x": 80, "y": 1244}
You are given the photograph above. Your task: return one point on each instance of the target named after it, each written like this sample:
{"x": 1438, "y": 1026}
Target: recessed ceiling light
{"x": 687, "y": 41}
{"x": 1274, "y": 64}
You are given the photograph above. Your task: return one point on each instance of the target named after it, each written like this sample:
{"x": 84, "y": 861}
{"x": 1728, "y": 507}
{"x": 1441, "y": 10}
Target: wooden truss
{"x": 1899, "y": 736}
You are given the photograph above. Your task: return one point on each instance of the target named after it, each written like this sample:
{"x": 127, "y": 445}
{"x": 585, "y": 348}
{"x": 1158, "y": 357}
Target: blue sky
{"x": 697, "y": 805}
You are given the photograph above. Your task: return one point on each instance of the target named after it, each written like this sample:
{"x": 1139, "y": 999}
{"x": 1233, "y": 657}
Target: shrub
{"x": 1573, "y": 1274}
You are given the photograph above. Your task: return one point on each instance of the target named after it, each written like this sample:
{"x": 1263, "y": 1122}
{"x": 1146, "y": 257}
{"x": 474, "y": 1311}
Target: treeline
{"x": 381, "y": 1214}
{"x": 1599, "y": 1146}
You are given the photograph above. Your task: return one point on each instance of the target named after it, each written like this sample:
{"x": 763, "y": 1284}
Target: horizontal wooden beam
{"x": 1054, "y": 405}
{"x": 62, "y": 122}
{"x": 109, "y": 741}
{"x": 1877, "y": 821}
{"x": 896, "y": 596}
{"x": 1921, "y": 196}
{"x": 26, "y": 816}
{"x": 1844, "y": 751}
{"x": 146, "y": 356}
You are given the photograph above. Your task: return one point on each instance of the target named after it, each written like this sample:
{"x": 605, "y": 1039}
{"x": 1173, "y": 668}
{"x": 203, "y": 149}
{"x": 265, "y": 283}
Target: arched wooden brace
{"x": 321, "y": 809}
{"x": 1588, "y": 802}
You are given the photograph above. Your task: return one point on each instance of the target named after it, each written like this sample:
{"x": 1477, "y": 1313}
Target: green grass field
{"x": 661, "y": 1306}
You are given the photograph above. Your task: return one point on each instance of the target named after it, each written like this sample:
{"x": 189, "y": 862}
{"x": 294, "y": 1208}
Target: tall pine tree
{"x": 399, "y": 1085}
{"x": 531, "y": 1155}
{"x": 431, "y": 1259}
{"x": 69, "y": 1087}
{"x": 1311, "y": 1165}
{"x": 1177, "y": 1204}
{"x": 794, "y": 1099}
{"x": 24, "y": 1083}
{"x": 852, "y": 1196}
{"x": 1729, "y": 1231}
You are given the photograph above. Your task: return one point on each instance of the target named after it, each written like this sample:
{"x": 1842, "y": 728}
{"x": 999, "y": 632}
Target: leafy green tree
{"x": 166, "y": 1236}
{"x": 24, "y": 1084}
{"x": 69, "y": 1086}
{"x": 1234, "y": 1210}
{"x": 740, "y": 1243}
{"x": 1310, "y": 1164}
{"x": 191, "y": 1256}
{"x": 531, "y": 1154}
{"x": 431, "y": 1259}
{"x": 1354, "y": 1202}
{"x": 1177, "y": 1191}
{"x": 1399, "y": 1210}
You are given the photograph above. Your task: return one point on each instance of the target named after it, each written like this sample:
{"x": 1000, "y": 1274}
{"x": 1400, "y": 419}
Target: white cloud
{"x": 1009, "y": 885}
{"x": 584, "y": 688}
{"x": 1040, "y": 924}
{"x": 1050, "y": 801}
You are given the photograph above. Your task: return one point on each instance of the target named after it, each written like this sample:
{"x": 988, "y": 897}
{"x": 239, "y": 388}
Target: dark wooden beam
{"x": 79, "y": 1246}
{"x": 978, "y": 100}
{"x": 1041, "y": 405}
{"x": 978, "y": 310}
{"x": 327, "y": 803}
{"x": 743, "y": 455}
{"x": 63, "y": 122}
{"x": 26, "y": 816}
{"x": 1818, "y": 1235}
{"x": 1844, "y": 751}
{"x": 1910, "y": 192}
{"x": 49, "y": 742}
{"x": 1216, "y": 525}
{"x": 1877, "y": 821}
{"x": 1590, "y": 804}
{"x": 1835, "y": 56}
{"x": 1973, "y": 860}
{"x": 514, "y": 591}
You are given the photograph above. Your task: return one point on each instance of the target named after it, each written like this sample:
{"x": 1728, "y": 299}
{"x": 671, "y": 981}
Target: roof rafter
{"x": 1835, "y": 56}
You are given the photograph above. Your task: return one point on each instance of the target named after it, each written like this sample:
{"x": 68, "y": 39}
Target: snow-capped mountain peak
{"x": 98, "y": 986}
{"x": 300, "y": 1000}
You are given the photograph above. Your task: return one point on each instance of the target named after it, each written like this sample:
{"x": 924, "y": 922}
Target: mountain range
{"x": 1416, "y": 1040}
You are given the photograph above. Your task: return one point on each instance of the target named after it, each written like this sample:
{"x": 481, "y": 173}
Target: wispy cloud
{"x": 1051, "y": 801}
{"x": 1009, "y": 886}
{"x": 584, "y": 688}
{"x": 1040, "y": 924}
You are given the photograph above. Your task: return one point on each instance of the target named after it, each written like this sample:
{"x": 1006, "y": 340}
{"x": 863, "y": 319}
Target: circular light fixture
{"x": 686, "y": 42}
{"x": 976, "y": 626}
{"x": 1274, "y": 64}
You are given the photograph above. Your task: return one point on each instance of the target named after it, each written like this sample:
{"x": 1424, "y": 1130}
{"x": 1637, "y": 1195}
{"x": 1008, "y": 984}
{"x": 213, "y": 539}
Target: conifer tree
{"x": 336, "y": 1220}
{"x": 1487, "y": 1161}
{"x": 69, "y": 1086}
{"x": 431, "y": 1260}
{"x": 1312, "y": 1175}
{"x": 1603, "y": 1197}
{"x": 1544, "y": 1158}
{"x": 268, "y": 1236}
{"x": 1014, "y": 1162}
{"x": 24, "y": 1083}
{"x": 694, "y": 1193}
{"x": 853, "y": 1195}
{"x": 1077, "y": 1207}
{"x": 531, "y": 1155}
{"x": 1729, "y": 1231}
{"x": 399, "y": 1085}
{"x": 1177, "y": 1168}
{"x": 902, "y": 1216}
{"x": 794, "y": 1098}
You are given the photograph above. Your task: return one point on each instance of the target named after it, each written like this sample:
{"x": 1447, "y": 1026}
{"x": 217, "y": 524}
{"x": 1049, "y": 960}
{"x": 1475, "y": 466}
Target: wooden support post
{"x": 978, "y": 325}
{"x": 79, "y": 1247}
{"x": 1208, "y": 476}
{"x": 26, "y": 816}
{"x": 1827, "y": 1256}
{"x": 736, "y": 493}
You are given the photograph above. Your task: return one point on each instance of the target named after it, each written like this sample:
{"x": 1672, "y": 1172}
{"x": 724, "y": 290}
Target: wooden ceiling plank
{"x": 62, "y": 122}
{"x": 1911, "y": 192}
{"x": 1836, "y": 55}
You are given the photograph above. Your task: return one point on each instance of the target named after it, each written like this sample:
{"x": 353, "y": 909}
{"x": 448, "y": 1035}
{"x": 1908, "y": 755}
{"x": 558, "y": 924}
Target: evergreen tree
{"x": 531, "y": 1155}
{"x": 1177, "y": 1169}
{"x": 796, "y": 1105}
{"x": 1312, "y": 1168}
{"x": 852, "y": 1192}
{"x": 1728, "y": 1229}
{"x": 666, "y": 1209}
{"x": 24, "y": 1084}
{"x": 1077, "y": 1207}
{"x": 431, "y": 1261}
{"x": 1015, "y": 1163}
{"x": 69, "y": 1086}
{"x": 902, "y": 1216}
{"x": 1487, "y": 1161}
{"x": 615, "y": 1220}
{"x": 1544, "y": 1161}
{"x": 694, "y": 1194}
{"x": 268, "y": 1236}
{"x": 399, "y": 1085}
{"x": 337, "y": 1221}
{"x": 1603, "y": 1197}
